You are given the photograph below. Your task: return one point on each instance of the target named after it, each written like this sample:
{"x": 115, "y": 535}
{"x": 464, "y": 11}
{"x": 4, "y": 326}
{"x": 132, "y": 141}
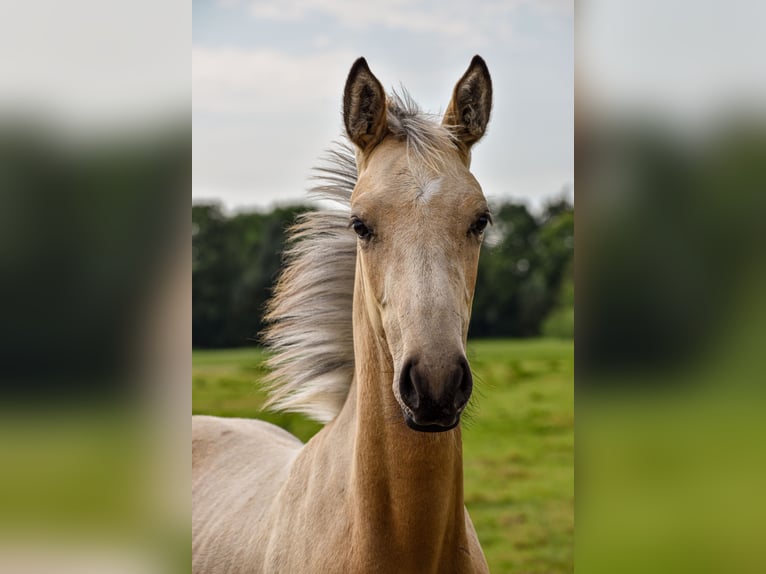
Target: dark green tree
{"x": 235, "y": 262}
{"x": 522, "y": 265}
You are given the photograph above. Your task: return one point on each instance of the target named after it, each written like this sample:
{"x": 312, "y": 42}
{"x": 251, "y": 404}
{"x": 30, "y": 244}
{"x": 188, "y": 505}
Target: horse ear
{"x": 364, "y": 107}
{"x": 467, "y": 114}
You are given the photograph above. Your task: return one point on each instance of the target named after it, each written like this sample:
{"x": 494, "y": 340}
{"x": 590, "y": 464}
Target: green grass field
{"x": 518, "y": 442}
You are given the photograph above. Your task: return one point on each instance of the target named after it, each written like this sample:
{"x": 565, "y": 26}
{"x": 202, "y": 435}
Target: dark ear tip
{"x": 359, "y": 65}
{"x": 478, "y": 62}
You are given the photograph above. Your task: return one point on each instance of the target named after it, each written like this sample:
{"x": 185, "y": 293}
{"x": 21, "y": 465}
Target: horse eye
{"x": 360, "y": 229}
{"x": 480, "y": 224}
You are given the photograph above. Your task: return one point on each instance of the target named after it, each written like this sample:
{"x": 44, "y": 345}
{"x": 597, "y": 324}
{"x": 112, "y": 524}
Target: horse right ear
{"x": 364, "y": 107}
{"x": 467, "y": 114}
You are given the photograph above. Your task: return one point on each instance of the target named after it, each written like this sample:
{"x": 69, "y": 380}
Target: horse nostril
{"x": 466, "y": 384}
{"x": 407, "y": 389}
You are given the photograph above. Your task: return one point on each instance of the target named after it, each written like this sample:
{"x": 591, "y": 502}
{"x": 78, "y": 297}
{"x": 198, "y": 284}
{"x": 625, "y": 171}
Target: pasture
{"x": 518, "y": 440}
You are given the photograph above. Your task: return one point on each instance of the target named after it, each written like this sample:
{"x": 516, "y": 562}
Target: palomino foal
{"x": 368, "y": 331}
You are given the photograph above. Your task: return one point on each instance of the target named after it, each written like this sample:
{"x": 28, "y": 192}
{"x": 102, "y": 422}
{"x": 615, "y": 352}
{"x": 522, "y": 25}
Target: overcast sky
{"x": 268, "y": 76}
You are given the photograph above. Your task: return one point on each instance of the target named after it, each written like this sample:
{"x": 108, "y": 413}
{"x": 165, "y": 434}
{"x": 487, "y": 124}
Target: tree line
{"x": 524, "y": 286}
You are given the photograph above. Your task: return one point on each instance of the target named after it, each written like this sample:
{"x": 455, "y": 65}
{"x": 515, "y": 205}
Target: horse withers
{"x": 368, "y": 327}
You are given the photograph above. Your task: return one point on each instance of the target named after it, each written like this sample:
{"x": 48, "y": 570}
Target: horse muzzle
{"x": 434, "y": 396}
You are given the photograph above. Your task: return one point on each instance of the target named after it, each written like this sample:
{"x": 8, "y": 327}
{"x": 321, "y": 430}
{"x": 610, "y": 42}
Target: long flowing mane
{"x": 309, "y": 316}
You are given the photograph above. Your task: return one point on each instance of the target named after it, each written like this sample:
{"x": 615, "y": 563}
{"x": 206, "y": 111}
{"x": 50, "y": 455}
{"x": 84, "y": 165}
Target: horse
{"x": 367, "y": 328}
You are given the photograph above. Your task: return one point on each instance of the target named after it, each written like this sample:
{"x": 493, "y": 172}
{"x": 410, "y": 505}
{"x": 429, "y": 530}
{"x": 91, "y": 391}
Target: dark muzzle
{"x": 434, "y": 396}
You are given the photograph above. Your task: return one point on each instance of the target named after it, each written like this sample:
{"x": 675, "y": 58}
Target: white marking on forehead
{"x": 429, "y": 188}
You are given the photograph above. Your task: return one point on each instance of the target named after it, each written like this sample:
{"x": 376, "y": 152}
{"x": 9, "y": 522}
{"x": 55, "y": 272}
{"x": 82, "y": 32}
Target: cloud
{"x": 446, "y": 18}
{"x": 397, "y": 14}
{"x": 261, "y": 117}
{"x": 231, "y": 80}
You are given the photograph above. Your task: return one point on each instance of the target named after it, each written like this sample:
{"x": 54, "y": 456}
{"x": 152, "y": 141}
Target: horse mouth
{"x": 430, "y": 427}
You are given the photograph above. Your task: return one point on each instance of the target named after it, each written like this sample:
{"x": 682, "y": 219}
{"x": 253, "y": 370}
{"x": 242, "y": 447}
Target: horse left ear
{"x": 364, "y": 107}
{"x": 467, "y": 114}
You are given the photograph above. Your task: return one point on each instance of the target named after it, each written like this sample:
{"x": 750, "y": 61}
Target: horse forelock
{"x": 430, "y": 145}
{"x": 309, "y": 316}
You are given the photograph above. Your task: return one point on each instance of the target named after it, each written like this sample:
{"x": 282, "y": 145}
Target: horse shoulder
{"x": 238, "y": 467}
{"x": 213, "y": 437}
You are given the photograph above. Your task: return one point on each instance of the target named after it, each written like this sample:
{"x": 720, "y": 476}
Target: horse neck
{"x": 407, "y": 485}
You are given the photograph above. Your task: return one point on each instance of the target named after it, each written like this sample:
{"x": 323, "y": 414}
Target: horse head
{"x": 419, "y": 215}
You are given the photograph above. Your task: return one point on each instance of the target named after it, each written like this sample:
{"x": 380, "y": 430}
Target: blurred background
{"x": 95, "y": 333}
{"x": 671, "y": 165}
